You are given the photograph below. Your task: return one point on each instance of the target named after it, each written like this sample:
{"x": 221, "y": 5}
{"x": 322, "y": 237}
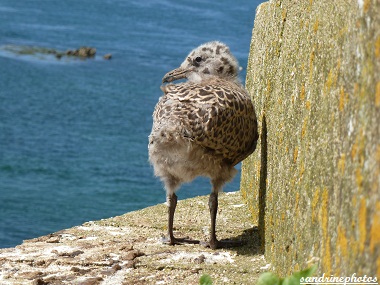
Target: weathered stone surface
{"x": 314, "y": 182}
{"x": 128, "y": 250}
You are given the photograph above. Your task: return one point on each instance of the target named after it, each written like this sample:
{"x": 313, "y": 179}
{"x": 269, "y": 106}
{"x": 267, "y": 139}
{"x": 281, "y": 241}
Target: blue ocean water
{"x": 73, "y": 133}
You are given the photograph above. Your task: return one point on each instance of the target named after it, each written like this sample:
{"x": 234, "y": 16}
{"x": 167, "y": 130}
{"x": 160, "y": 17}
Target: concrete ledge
{"x": 128, "y": 249}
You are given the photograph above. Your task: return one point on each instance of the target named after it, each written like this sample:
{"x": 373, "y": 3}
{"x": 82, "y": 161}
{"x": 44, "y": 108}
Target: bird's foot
{"x": 174, "y": 241}
{"x": 225, "y": 243}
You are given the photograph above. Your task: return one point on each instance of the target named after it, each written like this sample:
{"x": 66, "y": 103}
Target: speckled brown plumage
{"x": 202, "y": 127}
{"x": 215, "y": 114}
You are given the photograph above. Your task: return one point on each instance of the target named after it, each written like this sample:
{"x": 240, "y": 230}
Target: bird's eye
{"x": 198, "y": 59}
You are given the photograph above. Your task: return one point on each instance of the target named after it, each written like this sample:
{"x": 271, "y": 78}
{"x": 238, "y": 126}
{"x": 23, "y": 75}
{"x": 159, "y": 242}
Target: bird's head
{"x": 210, "y": 59}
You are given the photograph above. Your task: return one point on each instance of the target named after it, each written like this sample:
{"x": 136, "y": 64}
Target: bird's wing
{"x": 218, "y": 116}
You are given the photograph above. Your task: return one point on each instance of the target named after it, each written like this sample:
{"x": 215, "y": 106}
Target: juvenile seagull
{"x": 202, "y": 127}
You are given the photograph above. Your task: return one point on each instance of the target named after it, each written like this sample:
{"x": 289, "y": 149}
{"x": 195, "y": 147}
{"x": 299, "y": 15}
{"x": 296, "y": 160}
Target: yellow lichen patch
{"x": 342, "y": 163}
{"x": 303, "y": 67}
{"x": 243, "y": 194}
{"x": 330, "y": 81}
{"x": 339, "y": 61}
{"x": 358, "y": 148}
{"x": 257, "y": 174}
{"x": 257, "y": 168}
{"x": 354, "y": 150}
{"x": 361, "y": 148}
{"x": 303, "y": 130}
{"x": 302, "y": 94}
{"x": 293, "y": 182}
{"x": 311, "y": 61}
{"x": 359, "y": 178}
{"x": 254, "y": 214}
{"x": 377, "y": 47}
{"x": 362, "y": 221}
{"x": 302, "y": 169}
{"x": 268, "y": 87}
{"x": 354, "y": 202}
{"x": 362, "y": 92}
{"x": 283, "y": 14}
{"x": 301, "y": 24}
{"x": 356, "y": 88}
{"x": 295, "y": 154}
{"x": 324, "y": 208}
{"x": 341, "y": 99}
{"x": 366, "y": 5}
{"x": 374, "y": 236}
{"x": 353, "y": 251}
{"x": 308, "y": 105}
{"x": 314, "y": 204}
{"x": 315, "y": 27}
{"x": 342, "y": 242}
{"x": 326, "y": 259}
{"x": 358, "y": 23}
{"x": 378, "y": 153}
{"x": 377, "y": 95}
{"x": 280, "y": 138}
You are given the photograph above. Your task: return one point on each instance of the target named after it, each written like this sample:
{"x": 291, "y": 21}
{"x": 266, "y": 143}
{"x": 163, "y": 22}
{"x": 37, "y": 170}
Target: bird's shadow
{"x": 247, "y": 243}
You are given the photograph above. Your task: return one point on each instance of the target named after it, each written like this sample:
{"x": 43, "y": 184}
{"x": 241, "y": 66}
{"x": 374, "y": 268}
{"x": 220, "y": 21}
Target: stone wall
{"x": 313, "y": 184}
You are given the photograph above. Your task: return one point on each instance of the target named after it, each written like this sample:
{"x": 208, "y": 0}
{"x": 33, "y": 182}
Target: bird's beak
{"x": 175, "y": 74}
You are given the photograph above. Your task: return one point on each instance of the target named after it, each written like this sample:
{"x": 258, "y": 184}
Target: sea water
{"x": 74, "y": 133}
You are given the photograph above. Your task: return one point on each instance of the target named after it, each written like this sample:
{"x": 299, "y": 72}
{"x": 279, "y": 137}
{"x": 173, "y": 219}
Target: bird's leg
{"x": 172, "y": 204}
{"x": 171, "y": 240}
{"x": 213, "y": 205}
{"x": 213, "y": 243}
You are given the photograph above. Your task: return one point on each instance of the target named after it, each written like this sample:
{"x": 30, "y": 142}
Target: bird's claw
{"x": 174, "y": 241}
